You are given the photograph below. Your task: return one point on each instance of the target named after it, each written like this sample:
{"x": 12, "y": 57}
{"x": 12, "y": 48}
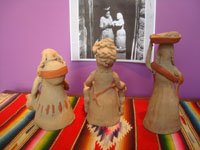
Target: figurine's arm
{"x": 90, "y": 79}
{"x": 86, "y": 91}
{"x": 30, "y": 104}
{"x": 35, "y": 87}
{"x": 148, "y": 57}
{"x": 121, "y": 101}
{"x": 66, "y": 85}
{"x": 119, "y": 84}
{"x": 179, "y": 74}
{"x": 121, "y": 89}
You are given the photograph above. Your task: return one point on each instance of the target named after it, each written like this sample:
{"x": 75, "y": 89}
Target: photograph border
{"x": 150, "y": 15}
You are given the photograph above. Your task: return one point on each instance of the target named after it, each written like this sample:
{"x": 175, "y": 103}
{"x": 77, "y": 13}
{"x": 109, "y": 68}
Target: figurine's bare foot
{"x": 29, "y": 102}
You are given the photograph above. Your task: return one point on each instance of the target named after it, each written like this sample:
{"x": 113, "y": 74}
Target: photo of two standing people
{"x": 121, "y": 20}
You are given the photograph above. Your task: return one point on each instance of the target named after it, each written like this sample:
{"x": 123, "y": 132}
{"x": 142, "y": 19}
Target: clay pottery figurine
{"x": 52, "y": 108}
{"x": 162, "y": 115}
{"x": 103, "y": 90}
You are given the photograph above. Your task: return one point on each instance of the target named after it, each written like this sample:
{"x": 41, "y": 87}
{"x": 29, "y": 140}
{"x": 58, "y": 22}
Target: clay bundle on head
{"x": 166, "y": 38}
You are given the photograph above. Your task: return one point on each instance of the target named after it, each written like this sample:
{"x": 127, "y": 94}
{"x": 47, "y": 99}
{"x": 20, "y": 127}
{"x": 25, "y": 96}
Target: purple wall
{"x": 29, "y": 26}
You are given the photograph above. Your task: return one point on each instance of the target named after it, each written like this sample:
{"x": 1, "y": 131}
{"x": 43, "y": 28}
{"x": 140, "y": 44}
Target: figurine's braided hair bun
{"x": 110, "y": 52}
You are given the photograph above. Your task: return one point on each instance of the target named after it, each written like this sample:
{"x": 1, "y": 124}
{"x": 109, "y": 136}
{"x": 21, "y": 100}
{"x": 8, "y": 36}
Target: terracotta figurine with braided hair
{"x": 103, "y": 90}
{"x": 162, "y": 115}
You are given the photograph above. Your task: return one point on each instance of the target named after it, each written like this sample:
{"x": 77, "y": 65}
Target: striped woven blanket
{"x": 18, "y": 131}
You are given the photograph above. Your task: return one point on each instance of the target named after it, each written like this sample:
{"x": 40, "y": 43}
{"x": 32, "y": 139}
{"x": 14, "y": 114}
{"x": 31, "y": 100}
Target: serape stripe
{"x": 45, "y": 139}
{"x": 144, "y": 137}
{"x": 187, "y": 137}
{"x": 179, "y": 141}
{"x": 86, "y": 140}
{"x": 12, "y": 108}
{"x": 11, "y": 128}
{"x": 130, "y": 118}
{"x": 193, "y": 112}
{"x": 7, "y": 100}
{"x": 31, "y": 136}
{"x": 188, "y": 131}
{"x": 173, "y": 141}
{"x": 18, "y": 131}
{"x": 22, "y": 138}
{"x": 41, "y": 139}
{"x": 69, "y": 134}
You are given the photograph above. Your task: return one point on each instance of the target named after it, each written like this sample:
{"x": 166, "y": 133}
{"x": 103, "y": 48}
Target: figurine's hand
{"x": 33, "y": 96}
{"x": 178, "y": 74}
{"x": 121, "y": 110}
{"x": 66, "y": 85}
{"x": 86, "y": 107}
{"x": 86, "y": 94}
{"x": 86, "y": 88}
{"x": 29, "y": 102}
{"x": 125, "y": 88}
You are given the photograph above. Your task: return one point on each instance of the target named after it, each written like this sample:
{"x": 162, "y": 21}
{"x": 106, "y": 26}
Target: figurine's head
{"x": 105, "y": 52}
{"x": 165, "y": 51}
{"x": 166, "y": 48}
{"x": 50, "y": 55}
{"x": 52, "y": 65}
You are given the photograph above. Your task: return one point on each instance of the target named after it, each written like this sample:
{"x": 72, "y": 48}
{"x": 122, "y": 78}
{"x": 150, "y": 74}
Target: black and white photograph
{"x": 129, "y": 23}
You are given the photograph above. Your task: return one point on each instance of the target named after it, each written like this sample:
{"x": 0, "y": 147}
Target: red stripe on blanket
{"x": 12, "y": 108}
{"x": 145, "y": 139}
{"x": 68, "y": 135}
{"x": 195, "y": 107}
{"x": 17, "y": 115}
